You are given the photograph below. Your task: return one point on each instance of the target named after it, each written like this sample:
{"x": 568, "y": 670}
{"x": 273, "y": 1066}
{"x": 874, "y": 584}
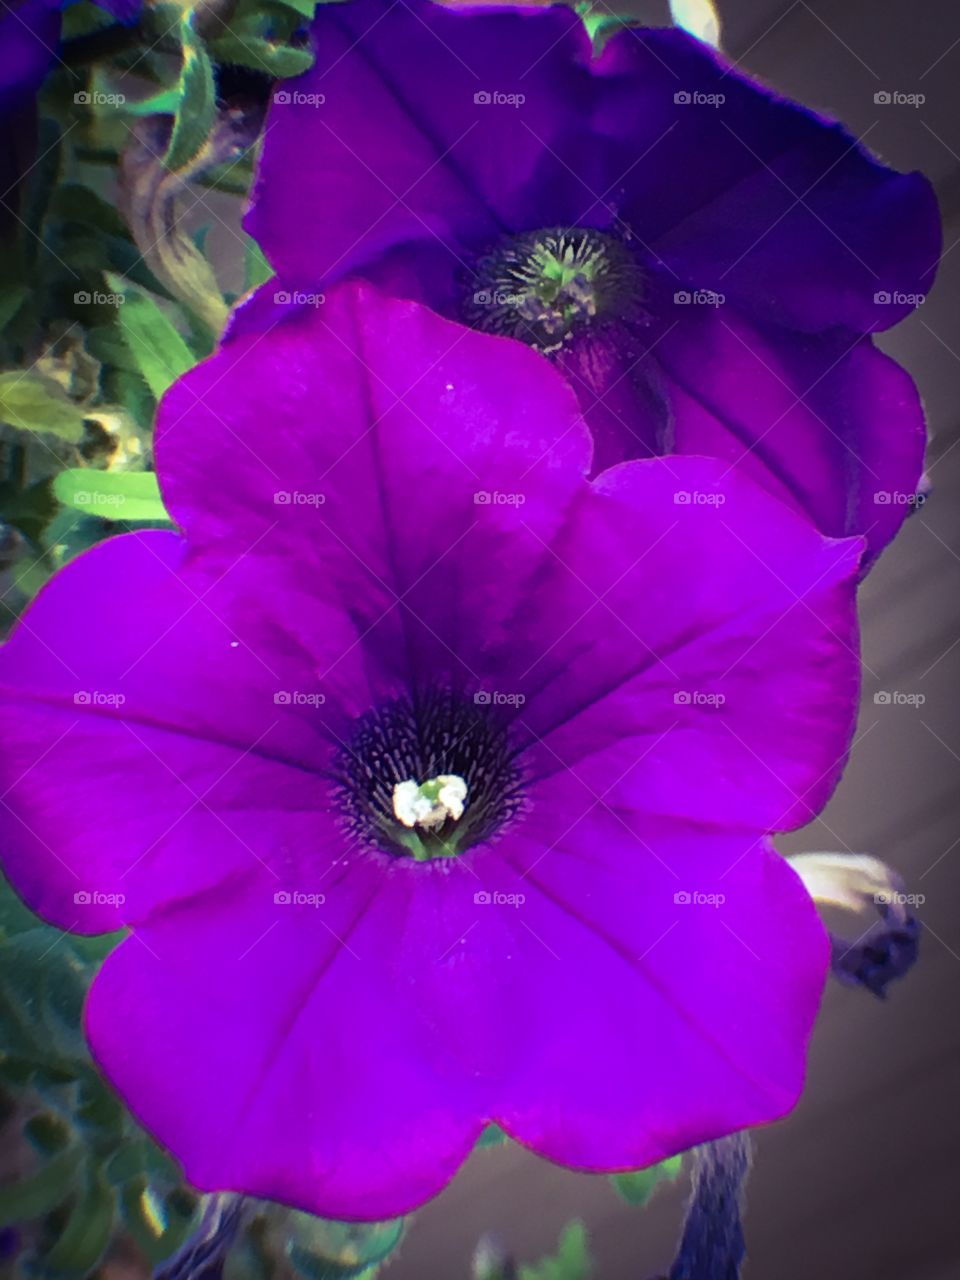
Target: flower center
{"x": 427, "y": 778}
{"x": 431, "y": 803}
{"x": 546, "y": 287}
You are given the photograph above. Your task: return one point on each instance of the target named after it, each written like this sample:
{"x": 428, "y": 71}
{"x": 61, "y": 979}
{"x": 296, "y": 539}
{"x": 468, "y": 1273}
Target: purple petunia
{"x": 704, "y": 260}
{"x": 433, "y": 778}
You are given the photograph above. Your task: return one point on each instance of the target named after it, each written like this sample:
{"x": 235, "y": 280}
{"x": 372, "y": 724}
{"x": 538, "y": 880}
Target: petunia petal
{"x": 386, "y": 167}
{"x": 713, "y": 942}
{"x": 782, "y": 211}
{"x": 699, "y": 658}
{"x": 487, "y": 988}
{"x": 829, "y": 424}
{"x": 425, "y": 432}
{"x": 173, "y": 703}
{"x": 325, "y": 1094}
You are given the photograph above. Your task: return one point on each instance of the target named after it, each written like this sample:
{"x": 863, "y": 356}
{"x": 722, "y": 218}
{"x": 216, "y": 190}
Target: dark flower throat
{"x": 439, "y": 745}
{"x": 548, "y": 287}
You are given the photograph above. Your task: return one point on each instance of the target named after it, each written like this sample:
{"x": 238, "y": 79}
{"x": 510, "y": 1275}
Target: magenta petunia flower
{"x": 432, "y": 778}
{"x": 704, "y": 260}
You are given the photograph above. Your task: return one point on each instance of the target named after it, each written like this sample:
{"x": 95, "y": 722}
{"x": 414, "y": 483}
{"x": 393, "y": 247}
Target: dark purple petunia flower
{"x": 433, "y": 778}
{"x": 703, "y": 259}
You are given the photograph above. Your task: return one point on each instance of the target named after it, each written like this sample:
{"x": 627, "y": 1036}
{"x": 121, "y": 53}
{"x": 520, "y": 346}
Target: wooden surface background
{"x": 861, "y": 1182}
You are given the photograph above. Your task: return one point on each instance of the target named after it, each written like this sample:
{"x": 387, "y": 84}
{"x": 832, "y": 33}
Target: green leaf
{"x": 98, "y": 1111}
{"x": 34, "y": 403}
{"x": 111, "y": 495}
{"x": 130, "y": 390}
{"x": 247, "y": 1261}
{"x": 38, "y": 1195}
{"x": 105, "y": 342}
{"x": 87, "y": 1232}
{"x": 11, "y": 299}
{"x": 320, "y": 1249}
{"x": 305, "y": 8}
{"x": 165, "y": 103}
{"x": 570, "y": 1262}
{"x": 261, "y": 55}
{"x": 162, "y": 355}
{"x": 75, "y": 202}
{"x": 198, "y": 101}
{"x": 637, "y": 1188}
{"x": 47, "y": 1133}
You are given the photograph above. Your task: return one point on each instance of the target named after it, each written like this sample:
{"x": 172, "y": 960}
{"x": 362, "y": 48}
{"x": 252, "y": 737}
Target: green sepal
{"x": 492, "y": 1136}
{"x": 637, "y": 1188}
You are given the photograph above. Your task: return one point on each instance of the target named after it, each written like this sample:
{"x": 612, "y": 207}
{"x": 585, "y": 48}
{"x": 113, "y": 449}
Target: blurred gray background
{"x": 861, "y": 1182}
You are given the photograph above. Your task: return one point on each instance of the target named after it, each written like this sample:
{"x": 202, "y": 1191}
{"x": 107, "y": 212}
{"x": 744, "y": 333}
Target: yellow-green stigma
{"x": 546, "y": 287}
